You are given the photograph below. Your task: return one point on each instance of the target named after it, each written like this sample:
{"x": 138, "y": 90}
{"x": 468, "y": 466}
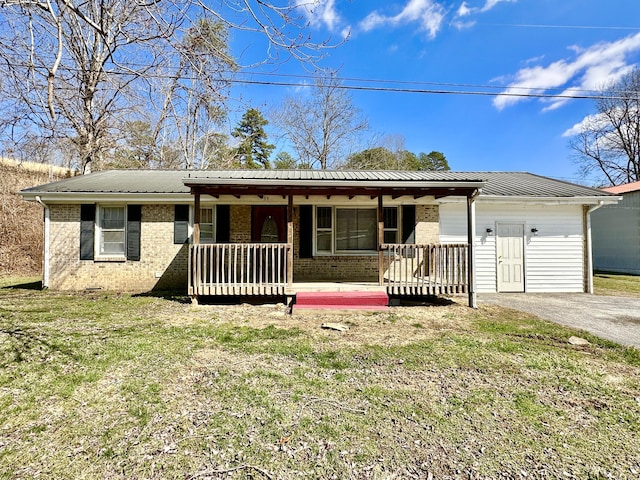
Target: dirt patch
{"x": 395, "y": 326}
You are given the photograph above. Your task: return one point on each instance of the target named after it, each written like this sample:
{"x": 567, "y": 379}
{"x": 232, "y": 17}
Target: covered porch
{"x": 267, "y": 268}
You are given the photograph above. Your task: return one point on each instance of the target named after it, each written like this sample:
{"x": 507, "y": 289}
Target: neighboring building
{"x": 257, "y": 232}
{"x": 616, "y": 232}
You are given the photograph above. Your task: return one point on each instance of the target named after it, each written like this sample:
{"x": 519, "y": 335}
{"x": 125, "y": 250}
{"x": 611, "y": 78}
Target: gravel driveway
{"x": 613, "y": 318}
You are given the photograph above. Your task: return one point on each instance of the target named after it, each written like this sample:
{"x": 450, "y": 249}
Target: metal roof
{"x": 625, "y": 188}
{"x": 118, "y": 181}
{"x": 497, "y": 184}
{"x": 523, "y": 184}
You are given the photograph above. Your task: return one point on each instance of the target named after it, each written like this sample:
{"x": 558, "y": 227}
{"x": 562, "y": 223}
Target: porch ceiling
{"x": 329, "y": 190}
{"x": 327, "y": 183}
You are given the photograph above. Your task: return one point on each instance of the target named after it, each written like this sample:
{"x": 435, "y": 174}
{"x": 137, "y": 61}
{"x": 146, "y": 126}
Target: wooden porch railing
{"x": 425, "y": 269}
{"x": 239, "y": 269}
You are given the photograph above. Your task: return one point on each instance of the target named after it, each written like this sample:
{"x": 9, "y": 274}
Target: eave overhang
{"x": 97, "y": 197}
{"x": 438, "y": 189}
{"x": 541, "y": 200}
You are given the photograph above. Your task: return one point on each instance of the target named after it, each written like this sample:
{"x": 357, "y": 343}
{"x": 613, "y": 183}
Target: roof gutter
{"x": 46, "y": 256}
{"x": 91, "y": 197}
{"x": 501, "y": 199}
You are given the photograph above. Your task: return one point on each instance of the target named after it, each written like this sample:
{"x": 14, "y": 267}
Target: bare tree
{"x": 194, "y": 95}
{"x": 78, "y": 71}
{"x": 608, "y": 143}
{"x": 323, "y": 127}
{"x": 69, "y": 69}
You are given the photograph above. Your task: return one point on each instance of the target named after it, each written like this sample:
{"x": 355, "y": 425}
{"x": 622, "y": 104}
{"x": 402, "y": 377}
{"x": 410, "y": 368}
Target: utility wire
{"x": 531, "y": 92}
{"x": 412, "y": 82}
{"x": 582, "y": 27}
{"x": 432, "y": 91}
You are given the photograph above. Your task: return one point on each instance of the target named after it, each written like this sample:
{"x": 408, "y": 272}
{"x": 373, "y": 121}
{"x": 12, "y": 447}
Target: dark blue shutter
{"x": 223, "y": 223}
{"x": 306, "y": 231}
{"x": 181, "y": 224}
{"x": 87, "y": 231}
{"x": 134, "y": 219}
{"x": 408, "y": 224}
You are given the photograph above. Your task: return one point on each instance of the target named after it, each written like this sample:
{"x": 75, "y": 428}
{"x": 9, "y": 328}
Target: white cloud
{"x": 492, "y": 3}
{"x": 465, "y": 10}
{"x": 320, "y": 12}
{"x": 463, "y": 25}
{"x": 589, "y": 122}
{"x": 589, "y": 70}
{"x": 427, "y": 13}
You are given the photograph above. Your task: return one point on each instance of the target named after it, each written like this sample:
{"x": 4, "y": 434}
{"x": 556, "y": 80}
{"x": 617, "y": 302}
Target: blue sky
{"x": 548, "y": 46}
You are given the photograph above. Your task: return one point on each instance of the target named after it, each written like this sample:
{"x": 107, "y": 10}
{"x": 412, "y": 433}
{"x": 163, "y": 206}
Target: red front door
{"x": 269, "y": 224}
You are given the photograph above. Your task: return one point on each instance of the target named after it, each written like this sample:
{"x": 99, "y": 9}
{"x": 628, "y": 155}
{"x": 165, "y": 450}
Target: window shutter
{"x": 87, "y": 231}
{"x": 134, "y": 217}
{"x": 223, "y": 223}
{"x": 408, "y": 224}
{"x": 181, "y": 224}
{"x": 306, "y": 231}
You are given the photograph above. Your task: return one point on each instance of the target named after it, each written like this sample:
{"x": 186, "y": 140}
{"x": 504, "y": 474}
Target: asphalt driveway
{"x": 613, "y": 318}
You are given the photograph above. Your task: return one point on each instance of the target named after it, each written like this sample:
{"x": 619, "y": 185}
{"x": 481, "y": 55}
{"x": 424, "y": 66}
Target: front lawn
{"x": 99, "y": 385}
{"x": 616, "y": 284}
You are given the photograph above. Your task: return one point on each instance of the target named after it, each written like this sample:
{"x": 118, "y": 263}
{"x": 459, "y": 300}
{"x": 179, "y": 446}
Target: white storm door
{"x": 510, "y": 252}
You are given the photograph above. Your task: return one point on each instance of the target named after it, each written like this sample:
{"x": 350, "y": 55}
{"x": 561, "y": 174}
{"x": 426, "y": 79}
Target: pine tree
{"x": 253, "y": 151}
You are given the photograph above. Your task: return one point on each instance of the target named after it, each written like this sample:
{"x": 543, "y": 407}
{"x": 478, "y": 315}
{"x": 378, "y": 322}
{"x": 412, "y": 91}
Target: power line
{"x": 474, "y": 89}
{"x": 430, "y": 91}
{"x": 414, "y": 82}
{"x": 582, "y": 27}
{"x": 166, "y": 76}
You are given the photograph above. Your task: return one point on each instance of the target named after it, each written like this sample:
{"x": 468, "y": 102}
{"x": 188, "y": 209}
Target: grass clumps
{"x": 114, "y": 386}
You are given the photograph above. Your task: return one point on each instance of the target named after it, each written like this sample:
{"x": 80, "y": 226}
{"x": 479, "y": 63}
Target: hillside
{"x": 21, "y": 228}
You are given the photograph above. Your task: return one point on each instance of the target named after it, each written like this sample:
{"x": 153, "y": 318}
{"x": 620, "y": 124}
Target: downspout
{"x": 589, "y": 271}
{"x": 47, "y": 252}
{"x": 471, "y": 240}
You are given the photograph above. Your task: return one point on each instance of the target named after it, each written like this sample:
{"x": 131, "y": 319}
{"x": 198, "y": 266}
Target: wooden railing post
{"x": 290, "y": 232}
{"x": 425, "y": 269}
{"x": 380, "y": 240}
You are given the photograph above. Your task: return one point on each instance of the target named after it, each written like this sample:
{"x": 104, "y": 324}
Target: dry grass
{"x": 113, "y": 387}
{"x": 616, "y": 284}
{"x": 20, "y": 221}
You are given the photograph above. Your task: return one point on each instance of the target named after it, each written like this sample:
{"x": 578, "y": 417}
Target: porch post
{"x": 380, "y": 241}
{"x": 290, "y": 240}
{"x": 471, "y": 239}
{"x": 196, "y": 219}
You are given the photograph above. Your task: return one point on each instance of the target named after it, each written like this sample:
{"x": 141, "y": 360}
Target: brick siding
{"x": 163, "y": 265}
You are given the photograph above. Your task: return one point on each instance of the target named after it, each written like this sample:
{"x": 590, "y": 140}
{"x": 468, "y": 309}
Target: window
{"x": 390, "y": 215}
{"x": 111, "y": 231}
{"x": 207, "y": 230}
{"x": 350, "y": 230}
{"x": 324, "y": 229}
{"x": 356, "y": 229}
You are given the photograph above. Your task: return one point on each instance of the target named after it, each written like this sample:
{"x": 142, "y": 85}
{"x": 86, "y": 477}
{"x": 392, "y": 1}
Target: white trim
{"x": 46, "y": 257}
{"x": 345, "y": 253}
{"x": 98, "y": 243}
{"x": 94, "y": 197}
{"x": 186, "y": 198}
{"x": 523, "y": 239}
{"x": 589, "y": 247}
{"x": 499, "y": 199}
{"x": 214, "y": 216}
